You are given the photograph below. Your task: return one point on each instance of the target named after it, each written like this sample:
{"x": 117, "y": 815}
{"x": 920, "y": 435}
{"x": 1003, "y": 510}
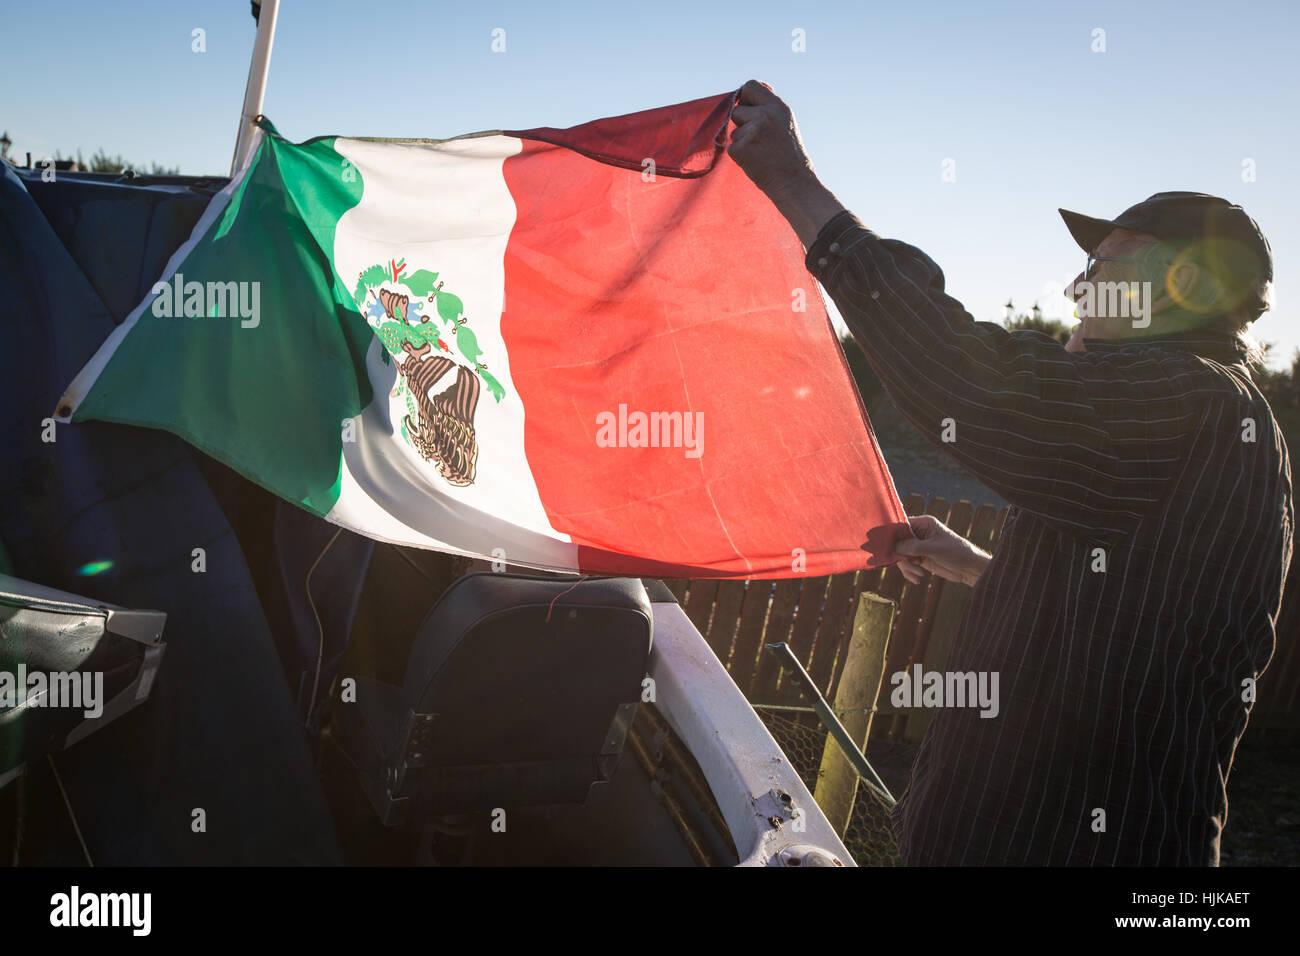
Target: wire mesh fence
{"x": 803, "y": 738}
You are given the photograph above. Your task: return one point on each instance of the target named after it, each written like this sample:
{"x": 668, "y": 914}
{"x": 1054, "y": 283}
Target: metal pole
{"x": 253, "y": 93}
{"x": 832, "y": 723}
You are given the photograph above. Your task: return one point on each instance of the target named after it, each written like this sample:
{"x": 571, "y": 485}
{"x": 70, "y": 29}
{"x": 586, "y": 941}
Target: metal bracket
{"x": 616, "y": 736}
{"x": 419, "y": 741}
{"x": 127, "y": 698}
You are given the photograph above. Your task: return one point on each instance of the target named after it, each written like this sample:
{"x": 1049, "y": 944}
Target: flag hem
{"x": 555, "y": 137}
{"x": 862, "y": 413}
{"x": 543, "y": 134}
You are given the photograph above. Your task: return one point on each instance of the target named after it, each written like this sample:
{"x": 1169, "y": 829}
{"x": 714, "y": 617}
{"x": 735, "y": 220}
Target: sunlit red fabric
{"x": 679, "y": 291}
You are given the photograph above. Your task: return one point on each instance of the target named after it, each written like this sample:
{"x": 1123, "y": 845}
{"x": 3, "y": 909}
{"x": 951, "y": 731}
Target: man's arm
{"x": 1085, "y": 442}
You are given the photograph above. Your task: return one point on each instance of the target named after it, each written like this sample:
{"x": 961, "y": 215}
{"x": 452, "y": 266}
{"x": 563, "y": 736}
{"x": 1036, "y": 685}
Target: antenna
{"x": 265, "y": 14}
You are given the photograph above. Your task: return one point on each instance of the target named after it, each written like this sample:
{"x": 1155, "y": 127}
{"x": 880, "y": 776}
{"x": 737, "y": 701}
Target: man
{"x": 1131, "y": 604}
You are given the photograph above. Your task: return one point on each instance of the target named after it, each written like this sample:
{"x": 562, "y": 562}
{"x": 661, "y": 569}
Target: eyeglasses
{"x": 1092, "y": 260}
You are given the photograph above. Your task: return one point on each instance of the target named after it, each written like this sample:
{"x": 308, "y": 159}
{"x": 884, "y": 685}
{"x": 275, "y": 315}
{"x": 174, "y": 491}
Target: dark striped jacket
{"x": 1123, "y": 691}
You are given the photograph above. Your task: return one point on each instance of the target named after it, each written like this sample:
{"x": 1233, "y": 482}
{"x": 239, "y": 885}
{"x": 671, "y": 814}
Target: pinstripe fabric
{"x": 1121, "y": 689}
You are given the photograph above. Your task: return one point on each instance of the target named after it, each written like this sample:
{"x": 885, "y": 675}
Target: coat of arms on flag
{"x": 414, "y": 331}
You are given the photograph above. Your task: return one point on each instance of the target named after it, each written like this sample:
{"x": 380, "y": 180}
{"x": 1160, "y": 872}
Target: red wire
{"x": 560, "y": 595}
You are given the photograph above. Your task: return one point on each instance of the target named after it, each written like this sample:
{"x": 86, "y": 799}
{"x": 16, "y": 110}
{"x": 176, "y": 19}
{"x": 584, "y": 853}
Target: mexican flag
{"x": 594, "y": 349}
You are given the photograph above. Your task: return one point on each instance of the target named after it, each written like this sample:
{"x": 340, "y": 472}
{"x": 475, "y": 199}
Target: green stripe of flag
{"x": 269, "y": 391}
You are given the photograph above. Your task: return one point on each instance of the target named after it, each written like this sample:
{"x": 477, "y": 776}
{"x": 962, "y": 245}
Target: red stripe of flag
{"x": 677, "y": 296}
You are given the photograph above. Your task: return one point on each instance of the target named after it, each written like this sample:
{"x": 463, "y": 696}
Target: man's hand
{"x": 938, "y": 549}
{"x": 767, "y": 147}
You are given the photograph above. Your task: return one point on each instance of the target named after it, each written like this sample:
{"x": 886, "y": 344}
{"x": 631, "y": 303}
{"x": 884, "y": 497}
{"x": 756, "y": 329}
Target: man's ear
{"x": 1186, "y": 286}
{"x": 1194, "y": 288}
{"x": 1182, "y": 281}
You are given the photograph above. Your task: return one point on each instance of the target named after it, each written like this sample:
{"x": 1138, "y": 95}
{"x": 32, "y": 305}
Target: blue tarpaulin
{"x": 116, "y": 513}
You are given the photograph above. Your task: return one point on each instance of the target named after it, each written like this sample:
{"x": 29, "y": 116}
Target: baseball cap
{"x": 1184, "y": 216}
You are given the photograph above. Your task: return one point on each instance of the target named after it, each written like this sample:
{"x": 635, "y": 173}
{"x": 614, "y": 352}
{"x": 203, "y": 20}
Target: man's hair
{"x": 1232, "y": 325}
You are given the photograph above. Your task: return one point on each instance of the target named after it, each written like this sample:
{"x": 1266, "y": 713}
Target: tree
{"x": 101, "y": 162}
{"x": 1035, "y": 322}
{"x": 1282, "y": 389}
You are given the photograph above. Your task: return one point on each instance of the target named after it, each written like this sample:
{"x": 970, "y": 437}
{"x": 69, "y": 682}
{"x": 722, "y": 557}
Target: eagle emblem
{"x": 425, "y": 330}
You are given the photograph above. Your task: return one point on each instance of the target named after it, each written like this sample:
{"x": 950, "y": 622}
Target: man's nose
{"x": 1070, "y": 292}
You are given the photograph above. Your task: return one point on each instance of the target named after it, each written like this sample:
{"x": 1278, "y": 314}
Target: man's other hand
{"x": 938, "y": 549}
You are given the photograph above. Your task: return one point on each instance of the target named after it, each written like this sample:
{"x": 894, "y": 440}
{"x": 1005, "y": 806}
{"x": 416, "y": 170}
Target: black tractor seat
{"x": 518, "y": 692}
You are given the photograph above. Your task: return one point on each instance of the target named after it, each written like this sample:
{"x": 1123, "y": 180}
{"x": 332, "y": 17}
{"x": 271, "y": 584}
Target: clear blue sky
{"x": 885, "y": 92}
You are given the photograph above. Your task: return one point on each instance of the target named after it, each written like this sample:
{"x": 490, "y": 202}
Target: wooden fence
{"x": 815, "y": 617}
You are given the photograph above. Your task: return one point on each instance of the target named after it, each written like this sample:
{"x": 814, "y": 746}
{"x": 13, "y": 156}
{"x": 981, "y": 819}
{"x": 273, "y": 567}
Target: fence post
{"x": 864, "y": 668}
